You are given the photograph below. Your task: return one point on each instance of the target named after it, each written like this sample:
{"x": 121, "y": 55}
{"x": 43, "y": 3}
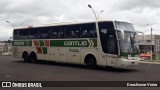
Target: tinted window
{"x": 16, "y": 34}
{"x": 57, "y": 32}
{"x": 88, "y": 30}
{"x": 23, "y": 34}
{"x": 108, "y": 37}
{"x": 33, "y": 34}
{"x": 80, "y": 31}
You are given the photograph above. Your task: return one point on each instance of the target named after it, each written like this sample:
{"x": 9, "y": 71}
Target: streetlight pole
{"x": 97, "y": 27}
{"x": 100, "y": 13}
{"x": 10, "y": 23}
{"x": 151, "y": 42}
{"x": 93, "y": 11}
{"x": 2, "y": 50}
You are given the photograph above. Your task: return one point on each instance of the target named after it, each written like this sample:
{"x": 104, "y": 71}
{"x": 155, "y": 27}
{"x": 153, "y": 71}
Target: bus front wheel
{"x": 90, "y": 61}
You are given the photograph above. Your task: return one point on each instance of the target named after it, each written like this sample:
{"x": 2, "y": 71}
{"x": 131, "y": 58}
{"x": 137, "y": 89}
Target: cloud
{"x": 35, "y": 12}
{"x": 131, "y": 4}
{"x": 5, "y": 33}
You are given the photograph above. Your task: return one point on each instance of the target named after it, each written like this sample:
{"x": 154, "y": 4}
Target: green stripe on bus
{"x": 60, "y": 43}
{"x": 41, "y": 42}
{"x": 22, "y": 43}
{"x": 29, "y": 43}
{"x": 95, "y": 42}
{"x": 44, "y": 50}
{"x": 73, "y": 43}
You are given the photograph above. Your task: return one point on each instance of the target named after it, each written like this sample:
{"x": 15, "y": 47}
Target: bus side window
{"x": 73, "y": 35}
{"x": 50, "y": 34}
{"x": 32, "y": 34}
{"x": 55, "y": 35}
{"x": 24, "y": 34}
{"x": 60, "y": 34}
{"x": 104, "y": 31}
{"x": 77, "y": 34}
{"x": 104, "y": 39}
{"x": 111, "y": 44}
{"x": 68, "y": 32}
{"x": 93, "y": 33}
{"x": 83, "y": 33}
{"x": 108, "y": 38}
{"x": 39, "y": 34}
{"x": 16, "y": 34}
{"x": 88, "y": 30}
{"x": 87, "y": 33}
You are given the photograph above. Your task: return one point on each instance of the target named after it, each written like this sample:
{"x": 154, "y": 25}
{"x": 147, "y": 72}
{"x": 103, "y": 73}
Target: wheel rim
{"x": 33, "y": 60}
{"x": 26, "y": 58}
{"x": 91, "y": 63}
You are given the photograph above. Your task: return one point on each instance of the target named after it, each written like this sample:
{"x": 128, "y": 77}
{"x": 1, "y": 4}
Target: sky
{"x": 144, "y": 14}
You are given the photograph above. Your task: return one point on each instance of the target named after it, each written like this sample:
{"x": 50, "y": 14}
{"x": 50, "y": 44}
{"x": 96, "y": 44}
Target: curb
{"x": 149, "y": 62}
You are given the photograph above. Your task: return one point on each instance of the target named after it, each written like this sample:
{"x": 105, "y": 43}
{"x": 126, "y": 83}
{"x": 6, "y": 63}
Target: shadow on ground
{"x": 108, "y": 69}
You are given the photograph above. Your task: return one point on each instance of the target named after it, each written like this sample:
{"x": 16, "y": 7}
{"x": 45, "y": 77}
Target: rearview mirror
{"x": 142, "y": 34}
{"x": 121, "y": 34}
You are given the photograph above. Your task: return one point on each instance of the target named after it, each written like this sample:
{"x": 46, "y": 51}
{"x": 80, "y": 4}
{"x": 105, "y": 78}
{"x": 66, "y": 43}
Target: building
{"x": 5, "y": 48}
{"x": 145, "y": 44}
{"x": 2, "y": 44}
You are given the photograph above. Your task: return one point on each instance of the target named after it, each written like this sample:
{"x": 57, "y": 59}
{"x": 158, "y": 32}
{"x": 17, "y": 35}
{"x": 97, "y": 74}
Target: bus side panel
{"x": 112, "y": 60}
{"x": 55, "y": 54}
{"x": 102, "y": 60}
{"x": 16, "y": 52}
{"x": 60, "y": 54}
{"x": 73, "y": 55}
{"x": 50, "y": 54}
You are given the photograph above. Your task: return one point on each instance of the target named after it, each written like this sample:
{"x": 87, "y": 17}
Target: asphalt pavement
{"x": 13, "y": 69}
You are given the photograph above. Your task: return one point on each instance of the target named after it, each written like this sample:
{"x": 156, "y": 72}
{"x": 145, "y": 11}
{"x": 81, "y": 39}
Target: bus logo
{"x": 18, "y": 43}
{"x": 75, "y": 43}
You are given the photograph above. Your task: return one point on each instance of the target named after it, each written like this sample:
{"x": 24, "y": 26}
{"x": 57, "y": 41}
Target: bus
{"x": 114, "y": 43}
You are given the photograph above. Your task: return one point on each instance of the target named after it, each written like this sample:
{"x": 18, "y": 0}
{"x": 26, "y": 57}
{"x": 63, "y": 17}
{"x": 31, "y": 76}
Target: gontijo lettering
{"x": 75, "y": 43}
{"x": 19, "y": 43}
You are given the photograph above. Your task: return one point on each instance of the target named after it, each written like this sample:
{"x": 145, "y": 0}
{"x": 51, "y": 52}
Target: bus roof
{"x": 61, "y": 24}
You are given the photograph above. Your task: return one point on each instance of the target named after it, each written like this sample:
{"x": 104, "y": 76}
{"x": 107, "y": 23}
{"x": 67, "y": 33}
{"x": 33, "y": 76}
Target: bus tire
{"x": 33, "y": 57}
{"x": 26, "y": 57}
{"x": 90, "y": 61}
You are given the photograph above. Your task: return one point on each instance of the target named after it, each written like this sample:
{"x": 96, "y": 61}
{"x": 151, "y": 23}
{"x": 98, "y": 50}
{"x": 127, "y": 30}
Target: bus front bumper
{"x": 126, "y": 62}
{"x": 122, "y": 62}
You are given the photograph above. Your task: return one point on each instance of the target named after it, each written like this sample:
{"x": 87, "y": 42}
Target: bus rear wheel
{"x": 33, "y": 58}
{"x": 26, "y": 58}
{"x": 91, "y": 62}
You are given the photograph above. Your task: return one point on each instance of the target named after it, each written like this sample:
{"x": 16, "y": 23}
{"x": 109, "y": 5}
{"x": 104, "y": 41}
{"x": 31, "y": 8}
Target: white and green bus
{"x": 113, "y": 44}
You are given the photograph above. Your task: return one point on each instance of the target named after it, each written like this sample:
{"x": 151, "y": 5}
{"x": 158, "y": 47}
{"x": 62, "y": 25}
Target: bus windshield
{"x": 129, "y": 45}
